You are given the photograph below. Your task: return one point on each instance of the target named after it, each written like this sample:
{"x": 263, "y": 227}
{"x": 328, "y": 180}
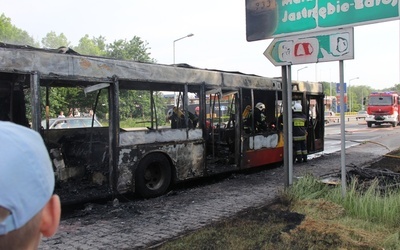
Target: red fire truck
{"x": 383, "y": 108}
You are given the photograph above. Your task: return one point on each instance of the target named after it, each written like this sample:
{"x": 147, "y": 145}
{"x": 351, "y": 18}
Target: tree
{"x": 396, "y": 88}
{"x": 356, "y": 97}
{"x": 54, "y": 41}
{"x": 11, "y": 34}
{"x": 94, "y": 46}
{"x": 135, "y": 50}
{"x": 329, "y": 88}
{"x": 134, "y": 104}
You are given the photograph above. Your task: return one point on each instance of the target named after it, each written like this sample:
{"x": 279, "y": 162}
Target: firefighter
{"x": 260, "y": 123}
{"x": 177, "y": 118}
{"x": 260, "y": 118}
{"x": 299, "y": 133}
{"x": 194, "y": 118}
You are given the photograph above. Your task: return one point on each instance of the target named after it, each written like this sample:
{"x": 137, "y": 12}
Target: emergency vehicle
{"x": 383, "y": 107}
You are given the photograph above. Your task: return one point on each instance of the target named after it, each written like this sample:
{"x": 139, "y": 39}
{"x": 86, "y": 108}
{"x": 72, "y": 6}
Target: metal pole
{"x": 35, "y": 100}
{"x": 188, "y": 35}
{"x": 174, "y": 51}
{"x": 298, "y": 72}
{"x": 362, "y": 99}
{"x": 342, "y": 130}
{"x": 351, "y": 95}
{"x": 287, "y": 126}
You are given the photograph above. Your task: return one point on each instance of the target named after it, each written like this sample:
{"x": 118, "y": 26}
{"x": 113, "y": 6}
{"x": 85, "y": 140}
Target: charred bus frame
{"x": 99, "y": 161}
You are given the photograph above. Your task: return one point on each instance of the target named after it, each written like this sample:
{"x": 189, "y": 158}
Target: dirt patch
{"x": 389, "y": 161}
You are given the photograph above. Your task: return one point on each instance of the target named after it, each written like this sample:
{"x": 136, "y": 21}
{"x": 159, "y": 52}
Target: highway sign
{"x": 333, "y": 45}
{"x": 276, "y": 18}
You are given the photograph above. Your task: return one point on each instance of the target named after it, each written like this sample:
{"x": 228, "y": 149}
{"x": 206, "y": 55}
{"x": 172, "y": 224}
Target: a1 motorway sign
{"x": 333, "y": 45}
{"x": 276, "y": 18}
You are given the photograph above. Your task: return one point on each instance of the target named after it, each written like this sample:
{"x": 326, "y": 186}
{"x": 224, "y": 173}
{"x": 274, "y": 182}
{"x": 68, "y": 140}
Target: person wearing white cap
{"x": 28, "y": 207}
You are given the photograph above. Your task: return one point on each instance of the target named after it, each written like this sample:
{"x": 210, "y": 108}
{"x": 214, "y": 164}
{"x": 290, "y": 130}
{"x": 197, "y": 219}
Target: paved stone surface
{"x": 141, "y": 224}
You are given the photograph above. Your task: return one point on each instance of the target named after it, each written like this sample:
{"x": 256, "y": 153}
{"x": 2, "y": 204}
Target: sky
{"x": 218, "y": 41}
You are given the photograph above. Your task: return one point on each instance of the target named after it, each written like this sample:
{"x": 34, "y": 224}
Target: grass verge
{"x": 308, "y": 215}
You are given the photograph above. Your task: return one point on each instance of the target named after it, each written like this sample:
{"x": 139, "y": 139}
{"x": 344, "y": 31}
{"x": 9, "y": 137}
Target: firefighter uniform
{"x": 299, "y": 133}
{"x": 260, "y": 124}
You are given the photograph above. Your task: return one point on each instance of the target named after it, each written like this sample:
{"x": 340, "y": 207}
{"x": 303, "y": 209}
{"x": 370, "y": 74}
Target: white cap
{"x": 26, "y": 175}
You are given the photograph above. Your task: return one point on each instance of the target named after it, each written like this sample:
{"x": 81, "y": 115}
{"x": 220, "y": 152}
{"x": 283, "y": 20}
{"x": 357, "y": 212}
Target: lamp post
{"x": 188, "y": 35}
{"x": 350, "y": 95}
{"x": 299, "y": 70}
{"x": 362, "y": 99}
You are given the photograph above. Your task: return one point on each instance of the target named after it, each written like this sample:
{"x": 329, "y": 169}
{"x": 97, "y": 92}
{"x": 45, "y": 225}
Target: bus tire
{"x": 153, "y": 176}
{"x": 369, "y": 124}
{"x": 394, "y": 124}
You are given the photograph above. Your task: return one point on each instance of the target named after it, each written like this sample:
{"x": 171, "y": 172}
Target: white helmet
{"x": 297, "y": 107}
{"x": 260, "y": 106}
{"x": 170, "y": 113}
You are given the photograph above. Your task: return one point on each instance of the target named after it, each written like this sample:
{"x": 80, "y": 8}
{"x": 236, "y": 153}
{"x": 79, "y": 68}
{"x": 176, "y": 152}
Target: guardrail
{"x": 336, "y": 118}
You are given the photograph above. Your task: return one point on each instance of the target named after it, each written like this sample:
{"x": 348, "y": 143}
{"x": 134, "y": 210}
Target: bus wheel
{"x": 369, "y": 124}
{"x": 394, "y": 124}
{"x": 153, "y": 175}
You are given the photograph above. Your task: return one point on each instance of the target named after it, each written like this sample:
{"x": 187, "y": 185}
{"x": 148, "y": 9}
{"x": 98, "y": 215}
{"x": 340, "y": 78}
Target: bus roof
{"x": 64, "y": 66}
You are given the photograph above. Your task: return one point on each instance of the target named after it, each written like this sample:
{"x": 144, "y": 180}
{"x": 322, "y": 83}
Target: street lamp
{"x": 362, "y": 99}
{"x": 189, "y": 35}
{"x": 299, "y": 70}
{"x": 350, "y": 95}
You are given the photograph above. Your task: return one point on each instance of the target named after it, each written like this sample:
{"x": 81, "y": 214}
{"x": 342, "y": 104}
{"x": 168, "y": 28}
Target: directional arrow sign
{"x": 333, "y": 45}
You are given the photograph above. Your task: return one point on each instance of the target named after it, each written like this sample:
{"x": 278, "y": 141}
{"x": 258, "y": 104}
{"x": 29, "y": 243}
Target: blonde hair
{"x": 22, "y": 238}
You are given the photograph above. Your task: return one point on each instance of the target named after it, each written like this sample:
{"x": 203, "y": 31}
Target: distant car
{"x": 73, "y": 122}
{"x": 361, "y": 114}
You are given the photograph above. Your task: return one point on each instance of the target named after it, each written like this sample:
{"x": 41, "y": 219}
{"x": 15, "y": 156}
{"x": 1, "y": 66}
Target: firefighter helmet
{"x": 260, "y": 106}
{"x": 170, "y": 113}
{"x": 297, "y": 107}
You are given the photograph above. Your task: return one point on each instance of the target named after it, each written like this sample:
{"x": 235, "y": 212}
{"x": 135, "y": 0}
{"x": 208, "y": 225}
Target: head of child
{"x": 28, "y": 207}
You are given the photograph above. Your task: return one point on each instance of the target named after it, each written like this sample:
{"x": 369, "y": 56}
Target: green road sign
{"x": 276, "y": 18}
{"x": 331, "y": 45}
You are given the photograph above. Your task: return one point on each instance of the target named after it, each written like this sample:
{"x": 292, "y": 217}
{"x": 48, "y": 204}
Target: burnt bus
{"x": 147, "y": 158}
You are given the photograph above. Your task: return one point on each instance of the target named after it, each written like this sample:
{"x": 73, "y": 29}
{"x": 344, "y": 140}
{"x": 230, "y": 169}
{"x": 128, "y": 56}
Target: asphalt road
{"x": 142, "y": 224}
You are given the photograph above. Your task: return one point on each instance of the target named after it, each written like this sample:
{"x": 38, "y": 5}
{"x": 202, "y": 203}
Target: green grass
{"x": 370, "y": 204}
{"x": 308, "y": 215}
{"x": 136, "y": 123}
